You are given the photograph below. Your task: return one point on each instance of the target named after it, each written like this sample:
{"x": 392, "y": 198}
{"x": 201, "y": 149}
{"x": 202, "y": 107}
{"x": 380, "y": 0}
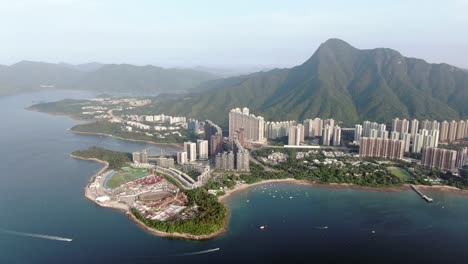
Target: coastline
{"x": 175, "y": 234}
{"x": 171, "y": 145}
{"x": 404, "y": 187}
{"x": 126, "y": 210}
{"x": 30, "y": 108}
{"x": 229, "y": 193}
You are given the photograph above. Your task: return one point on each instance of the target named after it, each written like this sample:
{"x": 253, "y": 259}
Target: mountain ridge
{"x": 26, "y": 76}
{"x": 338, "y": 81}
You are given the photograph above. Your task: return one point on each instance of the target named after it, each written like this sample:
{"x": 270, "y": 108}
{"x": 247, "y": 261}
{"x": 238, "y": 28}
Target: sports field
{"x": 125, "y": 175}
{"x": 400, "y": 173}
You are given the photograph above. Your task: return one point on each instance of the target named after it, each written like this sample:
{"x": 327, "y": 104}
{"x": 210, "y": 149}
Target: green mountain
{"x": 29, "y": 76}
{"x": 338, "y": 81}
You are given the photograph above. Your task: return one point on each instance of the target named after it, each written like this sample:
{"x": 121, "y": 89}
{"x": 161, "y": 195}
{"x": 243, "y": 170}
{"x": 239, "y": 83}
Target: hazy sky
{"x": 189, "y": 33}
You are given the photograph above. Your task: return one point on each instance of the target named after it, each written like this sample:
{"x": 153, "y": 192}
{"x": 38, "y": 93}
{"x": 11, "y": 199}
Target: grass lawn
{"x": 400, "y": 173}
{"x": 125, "y": 175}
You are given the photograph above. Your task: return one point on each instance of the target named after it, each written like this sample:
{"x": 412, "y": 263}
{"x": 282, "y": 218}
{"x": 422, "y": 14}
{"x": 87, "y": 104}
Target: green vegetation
{"x": 115, "y": 129}
{"x": 69, "y": 107}
{"x": 115, "y": 159}
{"x": 369, "y": 173}
{"x": 124, "y": 175}
{"x": 211, "y": 216}
{"x": 338, "y": 81}
{"x": 223, "y": 180}
{"x": 400, "y": 173}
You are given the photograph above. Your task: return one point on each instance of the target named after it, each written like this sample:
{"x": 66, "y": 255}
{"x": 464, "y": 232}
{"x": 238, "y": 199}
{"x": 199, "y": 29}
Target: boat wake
{"x": 321, "y": 227}
{"x": 200, "y": 252}
{"x": 56, "y": 238}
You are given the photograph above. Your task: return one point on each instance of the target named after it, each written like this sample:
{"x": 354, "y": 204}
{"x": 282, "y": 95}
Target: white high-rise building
{"x": 452, "y": 132}
{"x": 400, "y": 126}
{"x": 253, "y": 126}
{"x": 435, "y": 136}
{"x": 444, "y": 130}
{"x": 374, "y": 130}
{"x": 357, "y": 133}
{"x": 418, "y": 143}
{"x": 202, "y": 149}
{"x": 191, "y": 149}
{"x": 395, "y": 135}
{"x": 414, "y": 127}
{"x": 407, "y": 140}
{"x": 278, "y": 129}
{"x": 336, "y": 136}
{"x": 296, "y": 135}
{"x": 461, "y": 130}
{"x": 327, "y": 135}
{"x": 181, "y": 158}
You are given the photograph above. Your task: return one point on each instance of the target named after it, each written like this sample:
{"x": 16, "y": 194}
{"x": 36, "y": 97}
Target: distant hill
{"x": 338, "y": 81}
{"x": 86, "y": 67}
{"x": 141, "y": 80}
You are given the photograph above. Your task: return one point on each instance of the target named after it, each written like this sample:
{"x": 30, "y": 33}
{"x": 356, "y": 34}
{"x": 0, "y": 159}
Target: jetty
{"x": 425, "y": 197}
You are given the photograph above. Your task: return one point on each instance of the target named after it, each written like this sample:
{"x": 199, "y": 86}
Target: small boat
{"x": 262, "y": 227}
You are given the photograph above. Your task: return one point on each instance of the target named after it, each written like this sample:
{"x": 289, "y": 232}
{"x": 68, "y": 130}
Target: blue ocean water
{"x": 41, "y": 192}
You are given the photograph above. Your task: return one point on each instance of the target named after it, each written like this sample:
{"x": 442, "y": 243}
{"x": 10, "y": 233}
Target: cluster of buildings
{"x": 252, "y": 127}
{"x": 162, "y": 118}
{"x": 144, "y": 158}
{"x": 382, "y": 147}
{"x": 416, "y": 137}
{"x": 274, "y": 130}
{"x": 443, "y": 132}
{"x": 193, "y": 151}
{"x": 374, "y": 138}
{"x": 444, "y": 159}
{"x": 235, "y": 160}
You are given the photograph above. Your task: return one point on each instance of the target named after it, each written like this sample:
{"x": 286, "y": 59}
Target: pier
{"x": 425, "y": 197}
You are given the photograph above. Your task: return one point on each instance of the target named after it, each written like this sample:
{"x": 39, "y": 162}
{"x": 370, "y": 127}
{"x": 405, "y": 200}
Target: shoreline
{"x": 74, "y": 117}
{"x": 171, "y": 145}
{"x": 404, "y": 187}
{"x": 229, "y": 193}
{"x": 126, "y": 210}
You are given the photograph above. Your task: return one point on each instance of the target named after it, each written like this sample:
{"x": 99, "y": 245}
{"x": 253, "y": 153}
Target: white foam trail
{"x": 200, "y": 252}
{"x": 321, "y": 227}
{"x": 56, "y": 238}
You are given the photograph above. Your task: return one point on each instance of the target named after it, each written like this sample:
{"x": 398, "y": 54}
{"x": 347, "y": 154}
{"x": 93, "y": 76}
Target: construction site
{"x": 152, "y": 195}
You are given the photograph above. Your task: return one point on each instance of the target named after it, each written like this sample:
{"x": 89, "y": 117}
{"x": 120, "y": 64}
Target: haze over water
{"x": 41, "y": 192}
